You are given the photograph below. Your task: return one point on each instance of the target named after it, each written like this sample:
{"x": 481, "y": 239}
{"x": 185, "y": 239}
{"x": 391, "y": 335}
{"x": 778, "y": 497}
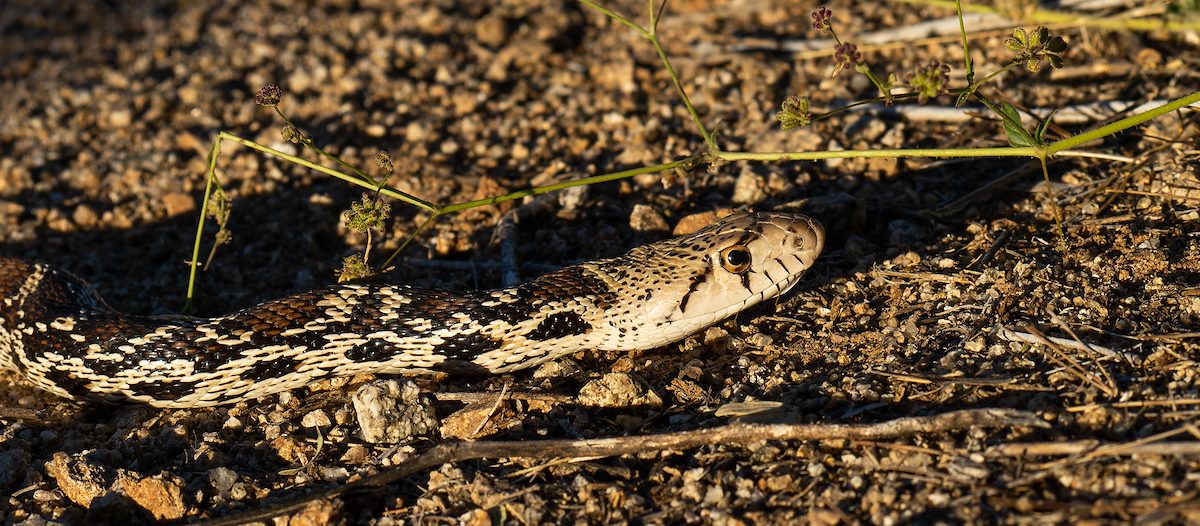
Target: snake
{"x": 61, "y": 336}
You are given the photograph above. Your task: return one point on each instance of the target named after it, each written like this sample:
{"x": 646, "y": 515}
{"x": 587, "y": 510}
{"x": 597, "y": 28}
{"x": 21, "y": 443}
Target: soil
{"x": 929, "y": 298}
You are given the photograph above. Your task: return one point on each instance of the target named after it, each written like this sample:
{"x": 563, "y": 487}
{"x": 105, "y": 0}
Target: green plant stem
{"x": 1123, "y": 124}
{"x": 456, "y": 207}
{"x": 308, "y": 142}
{"x": 615, "y": 16}
{"x": 408, "y": 239}
{"x": 884, "y": 92}
{"x": 974, "y": 86}
{"x": 1045, "y": 16}
{"x": 687, "y": 102}
{"x": 848, "y": 154}
{"x": 1058, "y": 221}
{"x": 368, "y": 184}
{"x": 962, "y": 29}
{"x": 213, "y": 153}
{"x": 652, "y": 35}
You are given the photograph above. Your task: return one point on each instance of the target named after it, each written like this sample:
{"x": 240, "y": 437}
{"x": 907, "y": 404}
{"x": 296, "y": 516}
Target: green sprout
{"x": 793, "y": 113}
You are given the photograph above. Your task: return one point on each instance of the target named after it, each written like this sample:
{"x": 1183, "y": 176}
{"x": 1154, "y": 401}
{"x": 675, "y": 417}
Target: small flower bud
{"x": 384, "y": 161}
{"x": 268, "y": 95}
{"x": 291, "y": 134}
{"x": 845, "y": 55}
{"x": 821, "y": 19}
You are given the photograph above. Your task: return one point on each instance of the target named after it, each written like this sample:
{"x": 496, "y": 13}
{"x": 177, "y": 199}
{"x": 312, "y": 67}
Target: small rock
{"x": 42, "y": 495}
{"x": 479, "y": 420}
{"x": 316, "y": 418}
{"x": 161, "y": 495}
{"x": 415, "y": 131}
{"x": 390, "y": 411}
{"x": 120, "y": 118}
{"x": 333, "y": 473}
{"x": 717, "y": 340}
{"x": 475, "y": 517}
{"x": 646, "y": 219}
{"x": 319, "y": 513}
{"x": 618, "y": 390}
{"x": 694, "y": 222}
{"x": 84, "y": 216}
{"x": 289, "y": 448}
{"x": 343, "y": 415}
{"x": 240, "y": 491}
{"x": 750, "y": 188}
{"x": 561, "y": 368}
{"x": 12, "y": 468}
{"x": 178, "y": 203}
{"x": 572, "y": 198}
{"x": 79, "y": 480}
{"x": 13, "y": 209}
{"x": 492, "y": 30}
{"x": 356, "y": 454}
{"x": 222, "y": 480}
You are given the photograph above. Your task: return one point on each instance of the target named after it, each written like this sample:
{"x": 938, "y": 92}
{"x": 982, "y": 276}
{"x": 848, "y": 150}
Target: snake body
{"x": 58, "y": 333}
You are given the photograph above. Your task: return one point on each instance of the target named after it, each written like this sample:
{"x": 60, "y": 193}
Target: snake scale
{"x": 58, "y": 333}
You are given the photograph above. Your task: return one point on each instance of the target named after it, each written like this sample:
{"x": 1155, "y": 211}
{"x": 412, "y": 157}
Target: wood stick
{"x": 1036, "y": 449}
{"x": 1004, "y": 333}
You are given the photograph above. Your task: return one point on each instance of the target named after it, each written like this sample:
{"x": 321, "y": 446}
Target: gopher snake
{"x": 57, "y": 332}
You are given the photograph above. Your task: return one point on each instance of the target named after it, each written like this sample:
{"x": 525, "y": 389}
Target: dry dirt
{"x": 919, "y": 306}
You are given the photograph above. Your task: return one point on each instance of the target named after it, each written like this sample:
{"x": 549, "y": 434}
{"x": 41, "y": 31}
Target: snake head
{"x": 695, "y": 280}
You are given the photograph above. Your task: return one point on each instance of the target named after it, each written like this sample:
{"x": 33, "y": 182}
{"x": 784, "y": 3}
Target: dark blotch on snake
{"x": 164, "y": 390}
{"x": 559, "y": 325}
{"x": 467, "y": 347}
{"x": 274, "y": 368}
{"x": 75, "y": 386}
{"x": 461, "y": 368}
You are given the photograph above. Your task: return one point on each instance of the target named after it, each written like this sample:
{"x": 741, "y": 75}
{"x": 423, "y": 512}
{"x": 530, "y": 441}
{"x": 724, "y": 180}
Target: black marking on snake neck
{"x": 697, "y": 280}
{"x": 559, "y": 325}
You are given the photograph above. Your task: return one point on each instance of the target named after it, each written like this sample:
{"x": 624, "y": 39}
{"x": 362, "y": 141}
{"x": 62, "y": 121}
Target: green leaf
{"x": 1041, "y": 129}
{"x": 1020, "y": 36}
{"x": 1017, "y": 136}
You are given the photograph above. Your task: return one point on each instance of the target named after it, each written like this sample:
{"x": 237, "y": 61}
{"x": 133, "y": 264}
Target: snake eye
{"x": 736, "y": 259}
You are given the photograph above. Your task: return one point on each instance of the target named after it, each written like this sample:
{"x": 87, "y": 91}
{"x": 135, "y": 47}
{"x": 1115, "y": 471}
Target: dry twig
{"x": 1004, "y": 333}
{"x": 732, "y": 434}
{"x": 1037, "y": 449}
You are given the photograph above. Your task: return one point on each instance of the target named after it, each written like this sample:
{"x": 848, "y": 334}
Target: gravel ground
{"x": 930, "y": 298}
